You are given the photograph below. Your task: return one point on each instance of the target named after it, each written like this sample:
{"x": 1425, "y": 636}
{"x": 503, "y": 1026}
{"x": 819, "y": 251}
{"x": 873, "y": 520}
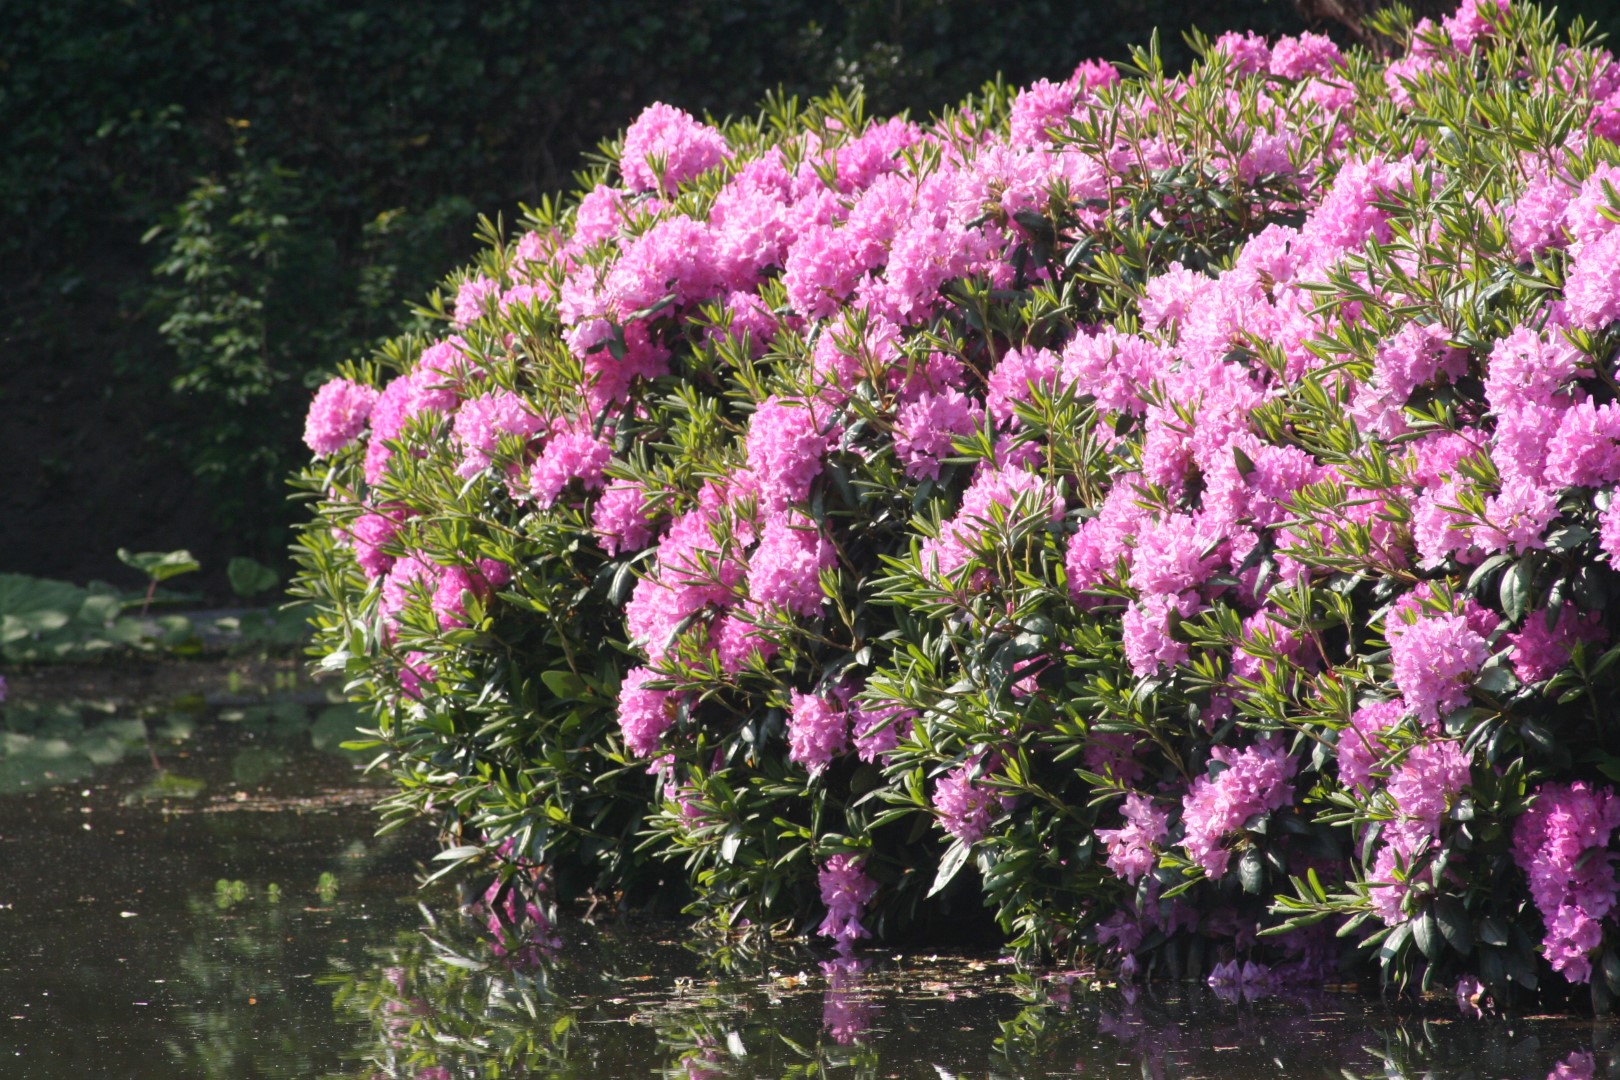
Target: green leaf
{"x": 465, "y": 851}
{"x": 30, "y": 605}
{"x": 564, "y": 685}
{"x": 956, "y": 857}
{"x": 1514, "y": 592}
{"x": 160, "y": 565}
{"x": 1426, "y": 932}
{"x": 249, "y": 577}
{"x": 1390, "y": 950}
{"x": 1455, "y": 927}
{"x": 1611, "y": 969}
{"x": 1252, "y": 871}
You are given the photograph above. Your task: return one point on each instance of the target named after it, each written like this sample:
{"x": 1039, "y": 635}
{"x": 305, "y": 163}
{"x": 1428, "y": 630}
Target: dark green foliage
{"x": 308, "y": 163}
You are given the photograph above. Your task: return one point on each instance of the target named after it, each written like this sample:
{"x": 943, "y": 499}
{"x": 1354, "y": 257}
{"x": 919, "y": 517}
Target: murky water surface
{"x": 190, "y": 887}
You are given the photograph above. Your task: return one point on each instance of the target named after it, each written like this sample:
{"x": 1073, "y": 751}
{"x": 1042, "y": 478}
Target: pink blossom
{"x": 665, "y": 147}
{"x": 993, "y": 492}
{"x": 879, "y": 730}
{"x": 1537, "y": 217}
{"x": 1093, "y": 75}
{"x": 751, "y": 323}
{"x": 1434, "y": 662}
{"x": 598, "y": 216}
{"x": 926, "y": 427}
{"x": 823, "y": 268}
{"x": 1361, "y": 745}
{"x": 1592, "y": 287}
{"x": 1414, "y": 356}
{"x": 337, "y": 415}
{"x": 1172, "y": 556}
{"x": 1473, "y": 20}
{"x": 449, "y": 596}
{"x": 693, "y": 571}
{"x": 673, "y": 260}
{"x": 1114, "y": 368}
{"x": 1267, "y": 638}
{"x": 423, "y": 390}
{"x": 1517, "y": 518}
{"x": 964, "y": 807}
{"x": 1147, "y": 631}
{"x": 738, "y": 640}
{"x": 621, "y": 518}
{"x": 1247, "y": 52}
{"x": 785, "y": 444}
{"x": 1307, "y": 54}
{"x": 1609, "y": 529}
{"x": 645, "y": 714}
{"x": 483, "y": 420}
{"x": 1441, "y": 531}
{"x": 371, "y": 534}
{"x": 1587, "y": 214}
{"x": 1038, "y": 107}
{"x": 818, "y": 730}
{"x": 785, "y": 569}
{"x": 1348, "y": 214}
{"x": 1387, "y": 887}
{"x": 1256, "y": 780}
{"x": 1540, "y": 649}
{"x": 415, "y": 674}
{"x": 1015, "y": 377}
{"x": 1112, "y": 754}
{"x": 875, "y": 152}
{"x": 1170, "y": 295}
{"x": 1098, "y": 548}
{"x": 845, "y": 890}
{"x": 1131, "y": 851}
{"x": 1561, "y": 843}
{"x": 1422, "y": 787}
{"x": 472, "y": 299}
{"x": 1586, "y": 450}
{"x": 1527, "y": 367}
{"x": 570, "y": 456}
{"x": 409, "y": 574}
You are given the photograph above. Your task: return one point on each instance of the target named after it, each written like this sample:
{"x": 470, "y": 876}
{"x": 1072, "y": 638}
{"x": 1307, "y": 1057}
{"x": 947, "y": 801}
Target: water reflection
{"x": 166, "y": 908}
{"x": 61, "y": 726}
{"x": 618, "y": 1002}
{"x": 191, "y": 883}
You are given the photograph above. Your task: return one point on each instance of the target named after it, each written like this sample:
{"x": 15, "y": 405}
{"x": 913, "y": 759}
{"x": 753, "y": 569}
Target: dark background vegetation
{"x": 204, "y": 206}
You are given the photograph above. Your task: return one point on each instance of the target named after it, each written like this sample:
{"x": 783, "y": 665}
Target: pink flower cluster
{"x": 1255, "y": 781}
{"x": 845, "y": 890}
{"x": 1132, "y": 850}
{"x": 1562, "y": 845}
{"x": 338, "y": 415}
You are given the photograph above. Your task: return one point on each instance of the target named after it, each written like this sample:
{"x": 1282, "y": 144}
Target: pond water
{"x": 190, "y": 887}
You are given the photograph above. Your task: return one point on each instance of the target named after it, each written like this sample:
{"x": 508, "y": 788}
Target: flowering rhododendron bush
{"x": 1169, "y": 514}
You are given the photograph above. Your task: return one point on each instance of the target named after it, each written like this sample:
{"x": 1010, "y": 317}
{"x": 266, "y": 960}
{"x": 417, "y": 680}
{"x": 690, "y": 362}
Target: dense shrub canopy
{"x": 1174, "y": 511}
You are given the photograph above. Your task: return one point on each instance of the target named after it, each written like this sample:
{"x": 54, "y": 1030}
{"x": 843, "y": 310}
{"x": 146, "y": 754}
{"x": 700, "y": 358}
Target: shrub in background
{"x": 1172, "y": 512}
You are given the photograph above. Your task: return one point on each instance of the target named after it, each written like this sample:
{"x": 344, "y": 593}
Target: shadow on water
{"x": 191, "y": 888}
